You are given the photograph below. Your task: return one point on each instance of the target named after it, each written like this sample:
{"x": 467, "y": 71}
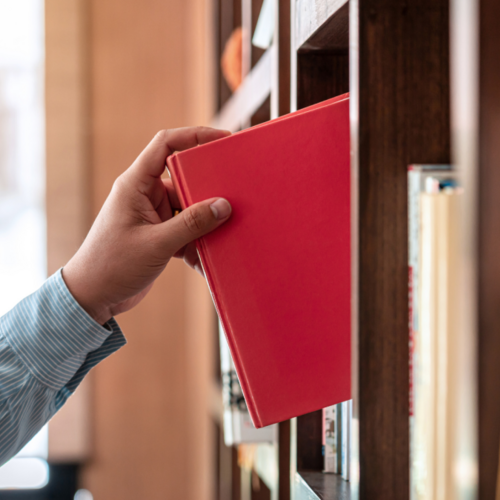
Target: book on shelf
{"x": 346, "y": 408}
{"x": 330, "y": 439}
{"x": 279, "y": 270}
{"x": 434, "y": 203}
{"x": 238, "y": 426}
{"x": 337, "y": 438}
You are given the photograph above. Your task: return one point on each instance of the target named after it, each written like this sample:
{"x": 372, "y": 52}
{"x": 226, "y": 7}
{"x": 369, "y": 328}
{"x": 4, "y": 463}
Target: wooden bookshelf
{"x": 248, "y": 99}
{"x": 394, "y": 59}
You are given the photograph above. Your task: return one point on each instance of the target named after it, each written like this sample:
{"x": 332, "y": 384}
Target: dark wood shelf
{"x": 319, "y": 486}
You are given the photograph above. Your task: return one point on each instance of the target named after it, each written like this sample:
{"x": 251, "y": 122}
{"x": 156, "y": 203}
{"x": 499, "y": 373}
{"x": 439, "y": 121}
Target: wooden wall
{"x": 145, "y": 67}
{"x": 67, "y": 184}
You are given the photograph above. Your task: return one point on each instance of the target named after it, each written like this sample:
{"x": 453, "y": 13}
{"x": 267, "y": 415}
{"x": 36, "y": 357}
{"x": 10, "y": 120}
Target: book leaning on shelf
{"x": 433, "y": 211}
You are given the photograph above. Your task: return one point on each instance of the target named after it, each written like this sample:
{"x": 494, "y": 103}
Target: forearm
{"x": 48, "y": 344}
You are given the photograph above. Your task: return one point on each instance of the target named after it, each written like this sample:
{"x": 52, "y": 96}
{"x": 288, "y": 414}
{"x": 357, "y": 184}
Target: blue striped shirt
{"x": 48, "y": 343}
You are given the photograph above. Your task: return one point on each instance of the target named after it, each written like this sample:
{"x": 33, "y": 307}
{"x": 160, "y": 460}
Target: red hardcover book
{"x": 279, "y": 269}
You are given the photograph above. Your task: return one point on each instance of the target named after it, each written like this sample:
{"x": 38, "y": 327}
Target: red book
{"x": 280, "y": 269}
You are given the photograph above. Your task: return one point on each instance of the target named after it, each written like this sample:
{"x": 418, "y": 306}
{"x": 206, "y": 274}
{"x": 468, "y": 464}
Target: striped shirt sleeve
{"x": 48, "y": 343}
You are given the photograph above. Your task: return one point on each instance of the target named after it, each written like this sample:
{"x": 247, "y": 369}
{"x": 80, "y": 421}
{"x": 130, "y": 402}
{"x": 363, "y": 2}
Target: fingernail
{"x": 221, "y": 209}
{"x": 199, "y": 269}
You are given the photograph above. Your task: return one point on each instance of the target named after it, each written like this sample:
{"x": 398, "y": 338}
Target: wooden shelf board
{"x": 254, "y": 90}
{"x": 320, "y": 486}
{"x": 322, "y": 24}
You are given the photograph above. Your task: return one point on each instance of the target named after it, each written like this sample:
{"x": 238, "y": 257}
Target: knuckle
{"x": 162, "y": 135}
{"x": 194, "y": 220}
{"x": 119, "y": 183}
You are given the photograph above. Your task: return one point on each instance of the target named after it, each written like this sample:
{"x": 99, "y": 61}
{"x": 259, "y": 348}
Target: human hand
{"x": 135, "y": 234}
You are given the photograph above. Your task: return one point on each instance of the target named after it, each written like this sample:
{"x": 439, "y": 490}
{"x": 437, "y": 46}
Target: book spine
{"x": 424, "y": 267}
{"x": 175, "y": 170}
{"x": 205, "y": 262}
{"x": 414, "y": 188}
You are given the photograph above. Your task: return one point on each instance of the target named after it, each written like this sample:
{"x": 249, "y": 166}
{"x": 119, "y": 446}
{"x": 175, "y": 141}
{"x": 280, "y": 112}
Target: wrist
{"x": 80, "y": 287}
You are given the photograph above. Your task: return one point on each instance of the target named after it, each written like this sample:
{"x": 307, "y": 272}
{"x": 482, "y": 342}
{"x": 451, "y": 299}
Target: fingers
{"x": 169, "y": 201}
{"x": 151, "y": 162}
{"x": 172, "y": 194}
{"x": 192, "y": 259}
{"x": 192, "y": 223}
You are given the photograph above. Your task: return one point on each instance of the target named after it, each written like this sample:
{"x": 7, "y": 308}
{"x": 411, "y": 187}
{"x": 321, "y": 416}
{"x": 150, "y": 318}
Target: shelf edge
{"x": 312, "y": 15}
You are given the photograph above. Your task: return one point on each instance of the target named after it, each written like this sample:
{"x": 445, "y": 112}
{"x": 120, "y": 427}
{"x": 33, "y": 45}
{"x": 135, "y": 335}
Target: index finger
{"x": 151, "y": 162}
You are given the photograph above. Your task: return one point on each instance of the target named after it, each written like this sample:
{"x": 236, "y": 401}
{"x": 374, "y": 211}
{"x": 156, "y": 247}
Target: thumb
{"x": 192, "y": 223}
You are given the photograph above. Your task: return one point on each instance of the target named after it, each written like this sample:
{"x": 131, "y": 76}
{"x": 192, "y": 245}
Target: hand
{"x": 135, "y": 234}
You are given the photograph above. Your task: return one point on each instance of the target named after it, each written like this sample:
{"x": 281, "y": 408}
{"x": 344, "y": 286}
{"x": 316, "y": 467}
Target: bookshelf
{"x": 475, "y": 130}
{"x": 248, "y": 98}
{"x": 394, "y": 59}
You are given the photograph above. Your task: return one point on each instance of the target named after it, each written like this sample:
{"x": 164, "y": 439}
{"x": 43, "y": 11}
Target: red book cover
{"x": 280, "y": 269}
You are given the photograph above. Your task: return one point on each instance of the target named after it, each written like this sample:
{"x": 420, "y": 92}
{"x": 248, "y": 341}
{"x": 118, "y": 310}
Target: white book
{"x": 330, "y": 439}
{"x": 420, "y": 179}
{"x": 434, "y": 318}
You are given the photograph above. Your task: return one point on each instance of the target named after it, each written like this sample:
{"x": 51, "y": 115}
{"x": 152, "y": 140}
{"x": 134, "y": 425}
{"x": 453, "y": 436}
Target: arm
{"x": 48, "y": 343}
{"x": 51, "y": 339}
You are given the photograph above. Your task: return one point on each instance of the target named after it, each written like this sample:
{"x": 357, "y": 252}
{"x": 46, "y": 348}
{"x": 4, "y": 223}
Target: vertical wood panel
{"x": 309, "y": 442}
{"x": 283, "y": 89}
{"x": 67, "y": 185}
{"x": 284, "y": 460}
{"x": 489, "y": 248}
{"x": 66, "y": 101}
{"x": 403, "y": 119}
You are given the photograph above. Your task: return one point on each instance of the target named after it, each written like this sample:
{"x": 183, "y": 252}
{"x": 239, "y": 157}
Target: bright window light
{"x": 24, "y": 473}
{"x": 37, "y": 447}
{"x": 83, "y": 495}
{"x": 22, "y": 190}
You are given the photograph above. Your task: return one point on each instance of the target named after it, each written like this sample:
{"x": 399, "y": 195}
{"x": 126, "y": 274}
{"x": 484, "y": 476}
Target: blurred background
{"x": 84, "y": 86}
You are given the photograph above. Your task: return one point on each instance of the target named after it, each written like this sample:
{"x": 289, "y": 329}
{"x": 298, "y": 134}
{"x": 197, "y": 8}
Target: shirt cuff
{"x": 55, "y": 338}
